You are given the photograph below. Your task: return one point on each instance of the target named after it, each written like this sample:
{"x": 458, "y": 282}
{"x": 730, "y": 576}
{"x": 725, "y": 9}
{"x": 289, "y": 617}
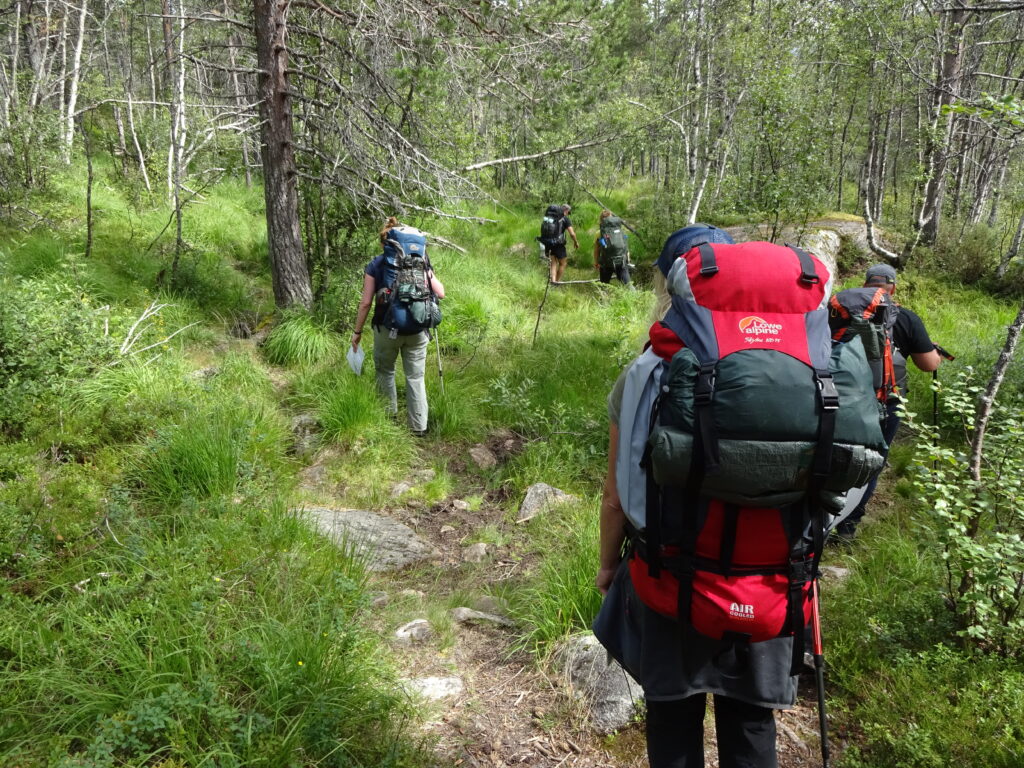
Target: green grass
{"x": 163, "y": 495}
{"x": 562, "y": 598}
{"x": 300, "y": 340}
{"x": 208, "y": 454}
{"x": 224, "y": 631}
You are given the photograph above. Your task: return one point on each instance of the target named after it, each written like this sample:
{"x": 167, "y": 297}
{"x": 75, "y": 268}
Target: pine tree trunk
{"x": 287, "y": 262}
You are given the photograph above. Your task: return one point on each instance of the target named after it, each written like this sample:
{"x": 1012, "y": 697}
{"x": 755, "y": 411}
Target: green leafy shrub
{"x": 968, "y": 256}
{"x": 49, "y": 335}
{"x": 980, "y": 526}
{"x": 936, "y": 708}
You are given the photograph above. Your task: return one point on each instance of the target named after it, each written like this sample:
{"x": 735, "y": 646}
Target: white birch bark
{"x": 76, "y": 73}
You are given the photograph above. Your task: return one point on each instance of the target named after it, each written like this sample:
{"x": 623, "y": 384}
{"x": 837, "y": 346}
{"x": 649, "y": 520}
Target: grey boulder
{"x": 384, "y": 544}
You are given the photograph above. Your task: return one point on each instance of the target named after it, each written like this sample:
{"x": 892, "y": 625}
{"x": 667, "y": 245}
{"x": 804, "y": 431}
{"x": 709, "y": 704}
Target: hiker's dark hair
{"x": 604, "y": 214}
{"x": 391, "y": 222}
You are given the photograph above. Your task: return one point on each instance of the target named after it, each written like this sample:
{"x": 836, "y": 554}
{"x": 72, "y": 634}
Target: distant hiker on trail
{"x": 401, "y": 285}
{"x": 908, "y": 339}
{"x": 553, "y": 226}
{"x": 711, "y": 525}
{"x": 611, "y": 249}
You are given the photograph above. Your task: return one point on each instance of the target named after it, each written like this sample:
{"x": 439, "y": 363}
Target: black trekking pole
{"x": 819, "y": 671}
{"x": 440, "y": 370}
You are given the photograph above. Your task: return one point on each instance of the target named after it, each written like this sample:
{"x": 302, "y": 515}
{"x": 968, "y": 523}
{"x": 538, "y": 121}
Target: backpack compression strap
{"x": 802, "y": 571}
{"x": 808, "y": 274}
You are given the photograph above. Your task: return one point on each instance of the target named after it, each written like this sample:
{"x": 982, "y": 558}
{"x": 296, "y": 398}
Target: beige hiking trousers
{"x": 414, "y": 364}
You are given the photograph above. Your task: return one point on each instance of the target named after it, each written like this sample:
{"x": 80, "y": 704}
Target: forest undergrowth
{"x": 162, "y": 601}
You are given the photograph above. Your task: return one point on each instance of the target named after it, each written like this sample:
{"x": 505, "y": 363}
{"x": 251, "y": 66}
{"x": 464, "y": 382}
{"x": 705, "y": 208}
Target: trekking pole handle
{"x": 944, "y": 353}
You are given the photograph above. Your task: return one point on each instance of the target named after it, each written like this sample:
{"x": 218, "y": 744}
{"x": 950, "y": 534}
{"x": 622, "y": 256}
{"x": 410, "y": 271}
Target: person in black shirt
{"x": 910, "y": 341}
{"x": 557, "y": 253}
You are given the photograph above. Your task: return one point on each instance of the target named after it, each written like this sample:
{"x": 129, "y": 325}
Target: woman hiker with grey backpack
{"x": 611, "y": 250}
{"x": 402, "y": 287}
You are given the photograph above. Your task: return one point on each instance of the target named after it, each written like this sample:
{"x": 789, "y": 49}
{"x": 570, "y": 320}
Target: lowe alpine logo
{"x": 740, "y": 611}
{"x": 757, "y": 326}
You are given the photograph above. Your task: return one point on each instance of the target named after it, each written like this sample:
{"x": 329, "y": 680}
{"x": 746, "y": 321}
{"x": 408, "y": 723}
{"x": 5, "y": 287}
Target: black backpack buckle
{"x": 799, "y": 572}
{"x": 827, "y": 391}
{"x": 704, "y": 389}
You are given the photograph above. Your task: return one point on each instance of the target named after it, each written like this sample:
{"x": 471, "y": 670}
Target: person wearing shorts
{"x": 556, "y": 253}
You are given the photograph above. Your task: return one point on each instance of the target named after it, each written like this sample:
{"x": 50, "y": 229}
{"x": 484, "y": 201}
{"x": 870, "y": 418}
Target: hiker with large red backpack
{"x": 733, "y": 438}
{"x": 895, "y": 333}
{"x": 401, "y": 286}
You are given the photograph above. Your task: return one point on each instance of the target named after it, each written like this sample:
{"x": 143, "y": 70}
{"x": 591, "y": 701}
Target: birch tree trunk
{"x": 945, "y": 92}
{"x": 1012, "y": 251}
{"x": 287, "y": 261}
{"x": 76, "y": 75}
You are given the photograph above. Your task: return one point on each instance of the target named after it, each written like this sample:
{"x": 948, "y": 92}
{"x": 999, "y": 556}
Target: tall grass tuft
{"x": 562, "y": 598}
{"x": 350, "y": 410}
{"x": 208, "y": 454}
{"x": 299, "y": 340}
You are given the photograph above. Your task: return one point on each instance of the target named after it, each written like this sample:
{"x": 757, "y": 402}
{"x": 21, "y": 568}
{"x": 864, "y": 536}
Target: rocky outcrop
{"x": 465, "y": 615}
{"x": 434, "y": 688}
{"x": 415, "y": 632}
{"x": 384, "y": 544}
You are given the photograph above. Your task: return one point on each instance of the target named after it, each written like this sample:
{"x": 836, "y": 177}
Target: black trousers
{"x": 607, "y": 273}
{"x": 675, "y": 733}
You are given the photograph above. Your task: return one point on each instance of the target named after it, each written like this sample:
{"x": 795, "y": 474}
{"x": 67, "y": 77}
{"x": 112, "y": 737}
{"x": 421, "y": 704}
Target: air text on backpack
{"x": 757, "y": 429}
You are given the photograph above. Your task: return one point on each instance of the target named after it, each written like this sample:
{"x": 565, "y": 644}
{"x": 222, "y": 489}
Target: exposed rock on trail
{"x": 612, "y": 695}
{"x": 539, "y": 498}
{"x": 384, "y": 543}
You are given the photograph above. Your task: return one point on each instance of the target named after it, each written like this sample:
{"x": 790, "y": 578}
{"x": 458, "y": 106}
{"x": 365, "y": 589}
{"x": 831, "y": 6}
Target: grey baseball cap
{"x": 879, "y": 274}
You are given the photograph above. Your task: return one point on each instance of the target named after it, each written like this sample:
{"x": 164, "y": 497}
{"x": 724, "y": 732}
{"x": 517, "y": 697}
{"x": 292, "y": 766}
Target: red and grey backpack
{"x": 870, "y": 313}
{"x": 740, "y": 432}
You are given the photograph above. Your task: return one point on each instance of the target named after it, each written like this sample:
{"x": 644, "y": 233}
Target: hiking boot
{"x": 419, "y": 433}
{"x": 843, "y": 534}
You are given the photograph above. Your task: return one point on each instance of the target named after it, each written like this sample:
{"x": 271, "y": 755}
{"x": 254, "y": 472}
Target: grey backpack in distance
{"x": 614, "y": 250}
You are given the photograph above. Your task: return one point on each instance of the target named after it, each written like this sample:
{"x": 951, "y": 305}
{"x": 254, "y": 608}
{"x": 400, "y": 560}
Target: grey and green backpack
{"x": 614, "y": 250}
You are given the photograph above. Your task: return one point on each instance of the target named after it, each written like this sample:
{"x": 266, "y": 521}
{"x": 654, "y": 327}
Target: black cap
{"x": 880, "y": 274}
